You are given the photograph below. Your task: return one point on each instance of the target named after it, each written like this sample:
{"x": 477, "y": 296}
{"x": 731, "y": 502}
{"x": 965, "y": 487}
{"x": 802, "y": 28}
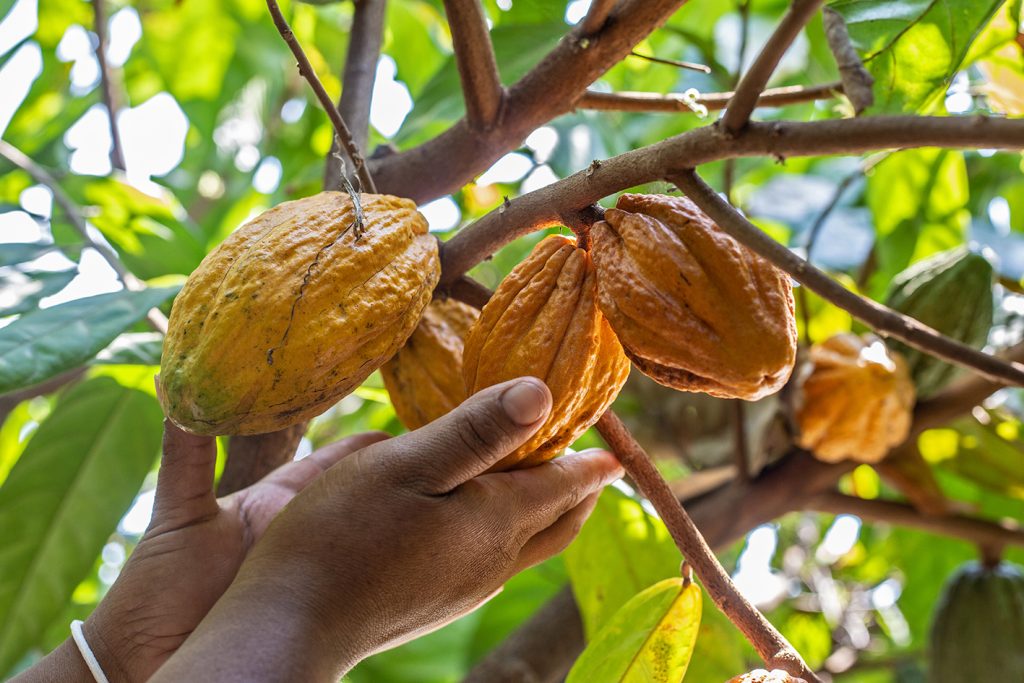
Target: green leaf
{"x": 13, "y": 253}
{"x": 46, "y": 342}
{"x": 649, "y": 640}
{"x": 913, "y": 47}
{"x": 919, "y": 202}
{"x": 132, "y": 348}
{"x": 63, "y": 498}
{"x": 21, "y": 288}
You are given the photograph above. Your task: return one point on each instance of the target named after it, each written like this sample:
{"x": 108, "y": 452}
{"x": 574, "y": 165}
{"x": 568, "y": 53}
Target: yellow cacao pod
{"x": 856, "y": 401}
{"x": 765, "y": 676}
{"x": 293, "y": 311}
{"x": 543, "y": 321}
{"x": 424, "y": 379}
{"x": 694, "y": 309}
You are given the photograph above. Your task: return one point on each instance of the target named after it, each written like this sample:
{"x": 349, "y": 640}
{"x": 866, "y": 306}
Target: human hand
{"x": 191, "y": 551}
{"x": 396, "y": 540}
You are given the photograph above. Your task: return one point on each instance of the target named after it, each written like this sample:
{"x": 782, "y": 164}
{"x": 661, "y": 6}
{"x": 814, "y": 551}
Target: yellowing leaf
{"x": 649, "y": 640}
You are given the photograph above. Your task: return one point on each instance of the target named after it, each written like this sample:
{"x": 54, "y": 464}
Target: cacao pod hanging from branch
{"x": 424, "y": 379}
{"x": 543, "y": 321}
{"x": 856, "y": 401}
{"x": 293, "y": 311}
{"x": 694, "y": 309}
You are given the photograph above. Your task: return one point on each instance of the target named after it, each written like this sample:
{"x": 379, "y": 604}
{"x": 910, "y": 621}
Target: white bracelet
{"x": 83, "y": 648}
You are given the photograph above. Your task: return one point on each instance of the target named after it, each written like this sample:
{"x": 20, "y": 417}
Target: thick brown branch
{"x": 957, "y": 526}
{"x": 542, "y": 208}
{"x": 597, "y": 16}
{"x": 773, "y": 648}
{"x": 857, "y": 82}
{"x": 156, "y": 319}
{"x": 754, "y": 81}
{"x": 307, "y": 72}
{"x": 107, "y": 83}
{"x": 883, "y": 319}
{"x": 474, "y": 55}
{"x": 364, "y": 41}
{"x": 675, "y": 103}
{"x": 250, "y": 458}
{"x": 453, "y": 158}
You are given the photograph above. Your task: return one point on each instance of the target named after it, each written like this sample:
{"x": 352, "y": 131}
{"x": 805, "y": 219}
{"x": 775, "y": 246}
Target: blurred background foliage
{"x": 217, "y": 126}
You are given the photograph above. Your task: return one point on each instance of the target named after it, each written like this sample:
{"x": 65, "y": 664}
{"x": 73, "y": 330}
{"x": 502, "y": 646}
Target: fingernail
{"x": 524, "y": 402}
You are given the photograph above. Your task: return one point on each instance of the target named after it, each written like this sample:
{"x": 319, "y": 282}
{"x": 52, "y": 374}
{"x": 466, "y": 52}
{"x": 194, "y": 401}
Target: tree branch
{"x": 364, "y": 42}
{"x": 957, "y": 526}
{"x": 597, "y": 16}
{"x": 692, "y": 66}
{"x": 741, "y": 453}
{"x": 453, "y": 158}
{"x": 773, "y": 648}
{"x": 754, "y": 81}
{"x": 478, "y": 70}
{"x": 544, "y": 207}
{"x": 675, "y": 102}
{"x": 307, "y": 72}
{"x": 857, "y": 82}
{"x": 883, "y": 319}
{"x": 156, "y": 319}
{"x": 107, "y": 83}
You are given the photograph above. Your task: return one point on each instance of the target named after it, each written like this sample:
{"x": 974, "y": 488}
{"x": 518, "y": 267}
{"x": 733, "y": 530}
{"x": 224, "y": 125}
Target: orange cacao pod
{"x": 543, "y": 321}
{"x": 293, "y": 311}
{"x": 424, "y": 379}
{"x": 765, "y": 676}
{"x": 856, "y": 401}
{"x": 694, "y": 309}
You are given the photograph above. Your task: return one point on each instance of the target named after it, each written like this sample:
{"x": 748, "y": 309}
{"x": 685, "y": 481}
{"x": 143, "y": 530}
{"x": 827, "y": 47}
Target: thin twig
{"x": 858, "y": 83}
{"x": 692, "y": 66}
{"x": 156, "y": 319}
{"x": 883, "y": 319}
{"x": 676, "y": 102}
{"x": 307, "y": 72}
{"x": 364, "y": 43}
{"x": 478, "y": 69}
{"x": 771, "y": 645}
{"x": 596, "y": 17}
{"x": 754, "y": 81}
{"x": 957, "y": 526}
{"x": 107, "y": 83}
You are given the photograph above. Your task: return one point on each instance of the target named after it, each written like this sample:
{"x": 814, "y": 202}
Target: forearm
{"x": 64, "y": 664}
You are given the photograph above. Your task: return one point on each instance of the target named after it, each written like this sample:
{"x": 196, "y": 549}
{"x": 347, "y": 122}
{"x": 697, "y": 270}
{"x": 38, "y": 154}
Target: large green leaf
{"x": 63, "y": 498}
{"x": 919, "y": 202}
{"x": 913, "y": 47}
{"x": 649, "y": 640}
{"x": 13, "y": 253}
{"x": 22, "y": 288}
{"x": 46, "y": 342}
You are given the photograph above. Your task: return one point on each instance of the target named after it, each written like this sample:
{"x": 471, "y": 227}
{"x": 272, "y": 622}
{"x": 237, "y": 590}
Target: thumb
{"x": 184, "y": 486}
{"x": 475, "y": 436}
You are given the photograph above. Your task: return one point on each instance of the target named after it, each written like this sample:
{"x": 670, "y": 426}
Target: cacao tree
{"x": 767, "y": 252}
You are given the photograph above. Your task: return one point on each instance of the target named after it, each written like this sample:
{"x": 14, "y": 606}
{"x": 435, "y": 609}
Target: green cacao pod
{"x": 952, "y": 293}
{"x": 978, "y": 628}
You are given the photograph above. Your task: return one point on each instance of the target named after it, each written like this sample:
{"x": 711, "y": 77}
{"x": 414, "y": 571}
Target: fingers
{"x": 184, "y": 487}
{"x": 484, "y": 429}
{"x": 541, "y": 495}
{"x": 296, "y": 475}
{"x": 557, "y": 537}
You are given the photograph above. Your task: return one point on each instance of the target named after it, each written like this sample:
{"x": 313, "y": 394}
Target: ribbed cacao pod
{"x": 977, "y": 631}
{"x": 765, "y": 676}
{"x": 694, "y": 309}
{"x": 951, "y": 292}
{"x": 293, "y": 311}
{"x": 856, "y": 401}
{"x": 543, "y": 321}
{"x": 424, "y": 379}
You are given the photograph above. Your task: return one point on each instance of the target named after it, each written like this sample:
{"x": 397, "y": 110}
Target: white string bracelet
{"x": 83, "y": 648}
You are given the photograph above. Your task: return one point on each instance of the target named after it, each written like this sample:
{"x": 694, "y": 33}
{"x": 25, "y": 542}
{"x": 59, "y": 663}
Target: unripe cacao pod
{"x": 694, "y": 309}
{"x": 977, "y": 631}
{"x": 293, "y": 311}
{"x": 856, "y": 402}
{"x": 424, "y": 379}
{"x": 543, "y": 321}
{"x": 765, "y": 676}
{"x": 952, "y": 293}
